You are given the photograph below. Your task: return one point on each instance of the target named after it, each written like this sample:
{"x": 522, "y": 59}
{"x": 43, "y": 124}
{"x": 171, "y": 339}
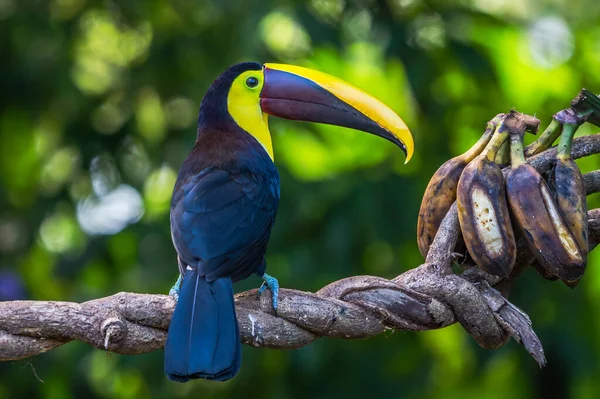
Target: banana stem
{"x": 564, "y": 146}
{"x": 499, "y": 137}
{"x": 480, "y": 144}
{"x": 484, "y": 140}
{"x": 546, "y": 139}
{"x": 517, "y": 154}
{"x": 503, "y": 155}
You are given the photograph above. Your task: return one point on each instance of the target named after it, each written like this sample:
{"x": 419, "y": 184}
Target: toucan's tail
{"x": 203, "y": 339}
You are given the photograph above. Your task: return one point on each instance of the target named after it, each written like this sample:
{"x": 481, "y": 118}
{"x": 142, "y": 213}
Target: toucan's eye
{"x": 251, "y": 82}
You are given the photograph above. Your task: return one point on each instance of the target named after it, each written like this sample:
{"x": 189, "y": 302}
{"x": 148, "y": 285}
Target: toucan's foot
{"x": 174, "y": 291}
{"x": 273, "y": 285}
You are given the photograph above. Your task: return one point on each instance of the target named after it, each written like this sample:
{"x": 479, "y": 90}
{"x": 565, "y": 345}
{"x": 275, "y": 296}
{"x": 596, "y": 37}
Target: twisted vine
{"x": 427, "y": 297}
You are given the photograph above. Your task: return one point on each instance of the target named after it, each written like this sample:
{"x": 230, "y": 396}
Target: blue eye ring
{"x": 251, "y": 82}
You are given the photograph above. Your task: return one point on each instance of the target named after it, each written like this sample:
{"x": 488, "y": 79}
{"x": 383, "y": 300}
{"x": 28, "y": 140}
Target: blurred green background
{"x": 98, "y": 105}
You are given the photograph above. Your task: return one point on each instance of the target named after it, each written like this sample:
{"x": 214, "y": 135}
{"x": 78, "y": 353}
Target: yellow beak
{"x": 298, "y": 93}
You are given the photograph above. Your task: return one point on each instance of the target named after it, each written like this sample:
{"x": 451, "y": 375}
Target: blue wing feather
{"x": 223, "y": 221}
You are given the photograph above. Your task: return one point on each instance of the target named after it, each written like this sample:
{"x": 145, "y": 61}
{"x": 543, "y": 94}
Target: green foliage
{"x": 98, "y": 105}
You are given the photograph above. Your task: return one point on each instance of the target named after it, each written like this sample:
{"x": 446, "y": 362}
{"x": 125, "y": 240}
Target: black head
{"x": 213, "y": 109}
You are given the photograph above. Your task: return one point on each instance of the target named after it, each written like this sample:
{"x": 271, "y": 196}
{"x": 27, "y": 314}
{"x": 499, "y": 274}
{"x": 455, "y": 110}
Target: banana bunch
{"x": 440, "y": 193}
{"x": 512, "y": 217}
{"x": 552, "y": 224}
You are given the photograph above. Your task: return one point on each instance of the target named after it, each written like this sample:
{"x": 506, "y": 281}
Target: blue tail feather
{"x": 203, "y": 339}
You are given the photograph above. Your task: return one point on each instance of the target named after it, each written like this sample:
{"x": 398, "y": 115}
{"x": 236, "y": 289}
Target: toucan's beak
{"x": 298, "y": 93}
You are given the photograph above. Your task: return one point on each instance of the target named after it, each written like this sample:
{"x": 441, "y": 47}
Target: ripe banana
{"x": 569, "y": 192}
{"x": 483, "y": 212}
{"x": 440, "y": 193}
{"x": 539, "y": 217}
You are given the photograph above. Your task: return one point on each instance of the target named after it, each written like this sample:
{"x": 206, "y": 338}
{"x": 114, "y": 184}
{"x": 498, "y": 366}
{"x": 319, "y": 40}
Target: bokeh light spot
{"x": 104, "y": 174}
{"x": 59, "y": 169}
{"x": 134, "y": 159}
{"x": 328, "y": 10}
{"x": 158, "y": 190}
{"x": 108, "y": 118}
{"x": 60, "y": 233}
{"x": 110, "y": 213}
{"x": 284, "y": 36}
{"x": 105, "y": 48}
{"x": 550, "y": 42}
{"x": 428, "y": 32}
{"x": 181, "y": 112}
{"x": 149, "y": 115}
{"x": 13, "y": 234}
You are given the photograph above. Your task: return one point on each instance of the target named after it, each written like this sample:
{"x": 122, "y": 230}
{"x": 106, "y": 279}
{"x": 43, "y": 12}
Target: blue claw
{"x": 273, "y": 285}
{"x": 174, "y": 291}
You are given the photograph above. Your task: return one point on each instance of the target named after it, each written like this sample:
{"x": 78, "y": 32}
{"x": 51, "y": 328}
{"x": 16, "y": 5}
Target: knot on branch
{"x": 353, "y": 308}
{"x": 363, "y": 306}
{"x": 113, "y": 329}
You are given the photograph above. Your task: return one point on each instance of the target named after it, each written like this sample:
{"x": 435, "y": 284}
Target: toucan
{"x": 226, "y": 196}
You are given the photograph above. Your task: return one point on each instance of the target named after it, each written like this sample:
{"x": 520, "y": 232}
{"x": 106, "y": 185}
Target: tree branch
{"x": 425, "y": 298}
{"x": 581, "y": 147}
